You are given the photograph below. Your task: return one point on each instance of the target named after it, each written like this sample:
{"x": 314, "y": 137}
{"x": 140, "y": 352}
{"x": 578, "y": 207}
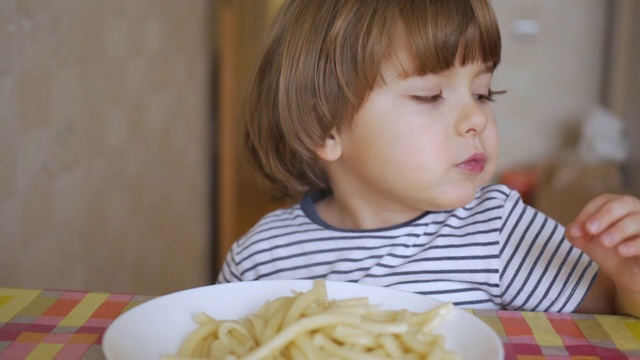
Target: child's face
{"x": 423, "y": 142}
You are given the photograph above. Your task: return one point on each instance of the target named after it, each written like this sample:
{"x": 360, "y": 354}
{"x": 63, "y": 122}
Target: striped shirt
{"x": 494, "y": 253}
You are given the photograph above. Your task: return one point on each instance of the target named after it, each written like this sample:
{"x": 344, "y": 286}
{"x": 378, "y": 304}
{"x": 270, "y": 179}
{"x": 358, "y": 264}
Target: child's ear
{"x": 331, "y": 150}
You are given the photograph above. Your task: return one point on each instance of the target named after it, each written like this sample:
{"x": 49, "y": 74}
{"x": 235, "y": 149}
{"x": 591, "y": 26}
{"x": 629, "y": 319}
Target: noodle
{"x": 308, "y": 325}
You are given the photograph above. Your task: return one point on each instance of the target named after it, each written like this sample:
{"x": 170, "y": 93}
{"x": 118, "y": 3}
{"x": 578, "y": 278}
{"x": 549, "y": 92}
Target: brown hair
{"x": 323, "y": 57}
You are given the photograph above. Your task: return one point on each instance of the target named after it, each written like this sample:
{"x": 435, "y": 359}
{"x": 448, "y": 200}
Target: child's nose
{"x": 472, "y": 119}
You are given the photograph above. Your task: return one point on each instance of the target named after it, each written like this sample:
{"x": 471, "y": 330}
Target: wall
{"x": 104, "y": 155}
{"x": 631, "y": 113}
{"x": 623, "y": 85}
{"x": 553, "y": 77}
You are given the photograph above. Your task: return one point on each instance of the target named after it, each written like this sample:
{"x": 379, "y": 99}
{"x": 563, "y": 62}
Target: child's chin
{"x": 460, "y": 200}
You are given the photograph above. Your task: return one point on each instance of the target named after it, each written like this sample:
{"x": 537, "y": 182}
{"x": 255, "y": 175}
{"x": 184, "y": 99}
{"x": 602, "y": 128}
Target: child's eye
{"x": 427, "y": 99}
{"x": 485, "y": 98}
{"x": 489, "y": 97}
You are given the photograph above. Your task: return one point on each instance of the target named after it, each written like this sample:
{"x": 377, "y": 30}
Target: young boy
{"x": 378, "y": 114}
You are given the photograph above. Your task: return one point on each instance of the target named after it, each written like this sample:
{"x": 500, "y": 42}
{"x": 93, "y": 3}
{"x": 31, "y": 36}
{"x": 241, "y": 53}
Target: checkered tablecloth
{"x": 534, "y": 335}
{"x": 67, "y": 325}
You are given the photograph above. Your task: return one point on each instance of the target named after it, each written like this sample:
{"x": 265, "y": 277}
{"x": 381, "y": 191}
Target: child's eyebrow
{"x": 488, "y": 69}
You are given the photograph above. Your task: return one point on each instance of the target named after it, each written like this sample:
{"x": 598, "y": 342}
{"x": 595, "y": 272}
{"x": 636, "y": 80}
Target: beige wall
{"x": 623, "y": 90}
{"x": 632, "y": 111}
{"x": 553, "y": 78}
{"x": 104, "y": 129}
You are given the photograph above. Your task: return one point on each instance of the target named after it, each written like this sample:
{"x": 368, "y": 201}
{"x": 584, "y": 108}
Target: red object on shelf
{"x": 523, "y": 180}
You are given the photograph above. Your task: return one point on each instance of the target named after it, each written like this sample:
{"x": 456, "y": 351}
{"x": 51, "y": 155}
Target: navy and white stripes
{"x": 494, "y": 253}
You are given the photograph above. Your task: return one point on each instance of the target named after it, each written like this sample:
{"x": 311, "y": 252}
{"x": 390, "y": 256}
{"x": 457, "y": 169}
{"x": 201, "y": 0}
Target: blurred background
{"x": 119, "y": 160}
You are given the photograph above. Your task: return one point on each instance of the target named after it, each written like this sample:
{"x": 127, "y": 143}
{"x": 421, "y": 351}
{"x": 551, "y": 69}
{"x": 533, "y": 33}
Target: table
{"x": 53, "y": 324}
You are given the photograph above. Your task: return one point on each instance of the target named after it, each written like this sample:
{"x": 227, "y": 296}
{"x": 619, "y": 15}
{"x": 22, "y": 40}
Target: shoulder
{"x": 275, "y": 223}
{"x": 491, "y": 199}
{"x": 495, "y": 192}
{"x": 253, "y": 245}
{"x": 496, "y": 196}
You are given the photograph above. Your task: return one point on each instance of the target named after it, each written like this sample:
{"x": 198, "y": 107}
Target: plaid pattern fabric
{"x": 47, "y": 324}
{"x": 536, "y": 336}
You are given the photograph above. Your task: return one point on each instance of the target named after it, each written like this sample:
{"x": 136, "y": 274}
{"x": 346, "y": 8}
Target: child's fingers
{"x": 626, "y": 228}
{"x": 593, "y": 205}
{"x": 581, "y": 243}
{"x": 609, "y": 211}
{"x": 577, "y": 228}
{"x": 629, "y": 247}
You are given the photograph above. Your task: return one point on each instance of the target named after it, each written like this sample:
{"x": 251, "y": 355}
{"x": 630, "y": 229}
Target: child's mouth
{"x": 474, "y": 163}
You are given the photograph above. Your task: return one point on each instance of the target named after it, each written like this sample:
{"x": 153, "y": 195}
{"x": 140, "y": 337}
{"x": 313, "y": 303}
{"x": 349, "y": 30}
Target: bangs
{"x": 443, "y": 34}
{"x": 435, "y": 36}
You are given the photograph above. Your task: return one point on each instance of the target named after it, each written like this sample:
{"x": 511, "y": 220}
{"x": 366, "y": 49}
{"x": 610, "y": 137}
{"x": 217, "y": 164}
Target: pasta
{"x": 307, "y": 325}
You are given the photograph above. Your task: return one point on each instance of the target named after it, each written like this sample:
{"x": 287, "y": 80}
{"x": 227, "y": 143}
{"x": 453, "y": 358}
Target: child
{"x": 378, "y": 114}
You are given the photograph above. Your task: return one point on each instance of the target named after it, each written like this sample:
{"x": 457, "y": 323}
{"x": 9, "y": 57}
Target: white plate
{"x": 157, "y": 327}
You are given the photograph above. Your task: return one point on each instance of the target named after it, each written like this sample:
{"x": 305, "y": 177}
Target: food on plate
{"x": 307, "y": 325}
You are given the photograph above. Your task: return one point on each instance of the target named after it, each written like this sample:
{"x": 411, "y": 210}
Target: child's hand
{"x": 608, "y": 230}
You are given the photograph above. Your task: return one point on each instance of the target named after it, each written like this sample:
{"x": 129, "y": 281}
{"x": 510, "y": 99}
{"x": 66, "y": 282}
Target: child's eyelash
{"x": 483, "y": 98}
{"x": 490, "y": 96}
{"x": 427, "y": 99}
{"x": 435, "y": 98}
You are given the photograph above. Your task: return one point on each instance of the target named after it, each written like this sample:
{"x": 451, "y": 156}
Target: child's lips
{"x": 475, "y": 163}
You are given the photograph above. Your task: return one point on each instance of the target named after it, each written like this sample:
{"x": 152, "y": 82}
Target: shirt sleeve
{"x": 540, "y": 269}
{"x": 229, "y": 272}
